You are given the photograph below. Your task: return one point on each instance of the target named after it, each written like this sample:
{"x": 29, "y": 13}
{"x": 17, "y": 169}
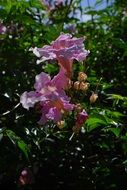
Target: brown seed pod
{"x": 76, "y": 85}
{"x": 82, "y": 76}
{"x": 84, "y": 86}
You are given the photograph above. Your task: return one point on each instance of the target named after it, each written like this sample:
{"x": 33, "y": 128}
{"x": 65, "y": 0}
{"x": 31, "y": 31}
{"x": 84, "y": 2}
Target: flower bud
{"x": 80, "y": 120}
{"x": 93, "y": 98}
{"x": 76, "y": 85}
{"x": 84, "y": 86}
{"x": 82, "y": 77}
{"x": 26, "y": 177}
{"x": 61, "y": 124}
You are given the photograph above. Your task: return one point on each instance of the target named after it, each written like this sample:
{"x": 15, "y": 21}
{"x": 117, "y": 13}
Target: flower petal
{"x": 60, "y": 80}
{"x": 41, "y": 80}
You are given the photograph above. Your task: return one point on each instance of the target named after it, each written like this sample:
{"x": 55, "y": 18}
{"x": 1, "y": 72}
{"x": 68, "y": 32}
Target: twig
{"x": 7, "y": 112}
{"x": 71, "y": 136}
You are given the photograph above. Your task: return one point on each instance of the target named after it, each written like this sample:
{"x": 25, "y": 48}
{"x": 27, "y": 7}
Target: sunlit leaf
{"x": 93, "y": 123}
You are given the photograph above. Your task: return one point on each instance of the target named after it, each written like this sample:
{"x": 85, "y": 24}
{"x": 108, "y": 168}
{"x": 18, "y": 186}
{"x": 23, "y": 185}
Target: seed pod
{"x": 84, "y": 86}
{"x": 77, "y": 85}
{"x": 82, "y": 77}
{"x": 93, "y": 98}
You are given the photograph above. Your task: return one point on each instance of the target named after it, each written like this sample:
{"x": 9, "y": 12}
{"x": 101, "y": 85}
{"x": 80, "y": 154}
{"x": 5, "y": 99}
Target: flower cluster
{"x": 49, "y": 93}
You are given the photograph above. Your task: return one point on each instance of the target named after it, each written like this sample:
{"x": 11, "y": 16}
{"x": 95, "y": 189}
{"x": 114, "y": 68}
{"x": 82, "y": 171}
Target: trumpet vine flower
{"x": 50, "y": 95}
{"x": 65, "y": 50}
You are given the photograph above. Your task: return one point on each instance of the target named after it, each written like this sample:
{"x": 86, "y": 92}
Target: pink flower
{"x": 50, "y": 95}
{"x": 53, "y": 109}
{"x": 65, "y": 50}
{"x": 3, "y": 29}
{"x": 81, "y": 118}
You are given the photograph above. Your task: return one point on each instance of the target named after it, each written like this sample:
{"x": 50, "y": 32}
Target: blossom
{"x": 50, "y": 95}
{"x": 3, "y": 29}
{"x": 54, "y": 108}
{"x": 65, "y": 50}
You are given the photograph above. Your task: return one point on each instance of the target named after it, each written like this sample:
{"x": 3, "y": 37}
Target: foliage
{"x": 93, "y": 158}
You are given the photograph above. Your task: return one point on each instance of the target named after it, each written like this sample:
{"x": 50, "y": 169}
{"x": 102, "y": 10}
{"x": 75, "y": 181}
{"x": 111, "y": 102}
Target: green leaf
{"x": 50, "y": 68}
{"x": 116, "y": 114}
{"x": 23, "y": 146}
{"x": 17, "y": 141}
{"x": 12, "y": 136}
{"x": 115, "y": 131}
{"x": 106, "y": 86}
{"x": 115, "y": 97}
{"x": 93, "y": 123}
